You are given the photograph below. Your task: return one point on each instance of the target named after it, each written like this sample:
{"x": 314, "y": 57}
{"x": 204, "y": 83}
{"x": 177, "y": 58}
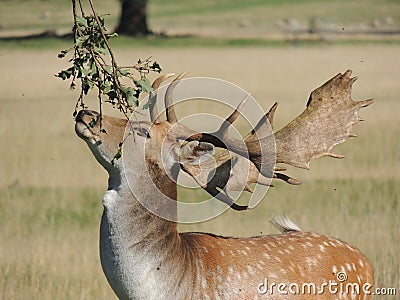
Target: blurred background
{"x": 51, "y": 186}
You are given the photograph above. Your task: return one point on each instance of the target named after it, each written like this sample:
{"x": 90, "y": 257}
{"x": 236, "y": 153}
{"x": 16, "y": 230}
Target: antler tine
{"x": 278, "y": 168}
{"x": 169, "y": 106}
{"x": 227, "y": 200}
{"x": 269, "y": 116}
{"x": 159, "y": 80}
{"x": 232, "y": 118}
{"x": 153, "y": 96}
{"x": 286, "y": 178}
{"x": 363, "y": 103}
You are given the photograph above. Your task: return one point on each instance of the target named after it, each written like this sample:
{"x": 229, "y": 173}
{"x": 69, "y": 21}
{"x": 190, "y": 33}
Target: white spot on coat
{"x": 250, "y": 269}
{"x": 203, "y": 283}
{"x": 361, "y": 263}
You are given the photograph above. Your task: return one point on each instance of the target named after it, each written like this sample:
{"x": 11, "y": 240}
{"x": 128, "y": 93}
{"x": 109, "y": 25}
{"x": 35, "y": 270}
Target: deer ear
{"x": 195, "y": 152}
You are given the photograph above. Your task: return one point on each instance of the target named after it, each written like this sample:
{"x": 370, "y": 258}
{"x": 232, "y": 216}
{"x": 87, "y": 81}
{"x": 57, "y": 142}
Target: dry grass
{"x": 51, "y": 186}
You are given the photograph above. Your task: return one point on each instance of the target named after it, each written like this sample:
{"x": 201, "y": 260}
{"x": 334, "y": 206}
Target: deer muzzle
{"x": 86, "y": 120}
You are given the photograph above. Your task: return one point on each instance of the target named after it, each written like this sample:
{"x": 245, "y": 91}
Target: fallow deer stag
{"x": 144, "y": 257}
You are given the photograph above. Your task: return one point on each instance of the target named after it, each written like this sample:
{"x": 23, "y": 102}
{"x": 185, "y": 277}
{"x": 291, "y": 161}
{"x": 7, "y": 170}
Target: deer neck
{"x": 132, "y": 196}
{"x": 136, "y": 245}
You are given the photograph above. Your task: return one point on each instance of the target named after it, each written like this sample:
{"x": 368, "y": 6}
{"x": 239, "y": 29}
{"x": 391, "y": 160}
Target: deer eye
{"x": 142, "y": 131}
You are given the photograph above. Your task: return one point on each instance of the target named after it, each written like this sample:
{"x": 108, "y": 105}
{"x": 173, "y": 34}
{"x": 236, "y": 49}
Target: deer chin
{"x": 85, "y": 133}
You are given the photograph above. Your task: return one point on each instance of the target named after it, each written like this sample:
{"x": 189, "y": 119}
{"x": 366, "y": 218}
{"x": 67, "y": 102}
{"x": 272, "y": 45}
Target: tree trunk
{"x": 133, "y": 21}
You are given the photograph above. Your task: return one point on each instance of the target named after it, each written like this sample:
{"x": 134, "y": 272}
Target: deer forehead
{"x": 161, "y": 141}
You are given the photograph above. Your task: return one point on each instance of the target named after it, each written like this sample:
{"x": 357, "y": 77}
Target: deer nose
{"x": 81, "y": 114}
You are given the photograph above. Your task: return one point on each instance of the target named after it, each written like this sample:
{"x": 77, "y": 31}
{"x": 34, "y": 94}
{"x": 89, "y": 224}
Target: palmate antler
{"x": 326, "y": 122}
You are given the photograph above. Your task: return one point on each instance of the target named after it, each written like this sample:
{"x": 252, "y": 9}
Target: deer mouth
{"x": 86, "y": 120}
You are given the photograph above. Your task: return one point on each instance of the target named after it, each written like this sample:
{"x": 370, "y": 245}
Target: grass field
{"x": 257, "y": 18}
{"x": 51, "y": 186}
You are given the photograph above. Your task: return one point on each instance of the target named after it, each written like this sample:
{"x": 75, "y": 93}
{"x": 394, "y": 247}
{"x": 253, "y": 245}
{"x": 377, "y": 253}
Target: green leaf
{"x": 108, "y": 70}
{"x": 63, "y": 53}
{"x": 81, "y": 21}
{"x": 62, "y": 75}
{"x": 112, "y": 95}
{"x": 93, "y": 71}
{"x": 144, "y": 84}
{"x": 132, "y": 101}
{"x": 85, "y": 86}
{"x": 85, "y": 72}
{"x": 124, "y": 72}
{"x": 102, "y": 50}
{"x": 129, "y": 94}
{"x": 65, "y": 74}
{"x": 117, "y": 156}
{"x": 146, "y": 105}
{"x": 105, "y": 87}
{"x": 156, "y": 67}
{"x": 82, "y": 39}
